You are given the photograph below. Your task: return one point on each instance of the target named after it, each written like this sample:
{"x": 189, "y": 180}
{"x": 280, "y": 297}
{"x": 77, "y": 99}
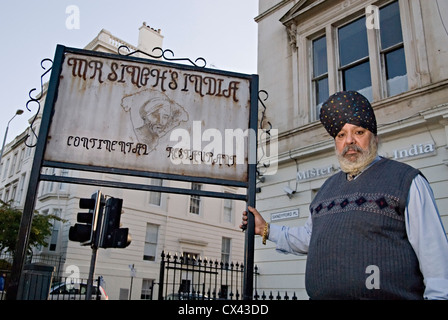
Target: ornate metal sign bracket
{"x": 163, "y": 55}
{"x": 266, "y": 126}
{"x": 36, "y": 99}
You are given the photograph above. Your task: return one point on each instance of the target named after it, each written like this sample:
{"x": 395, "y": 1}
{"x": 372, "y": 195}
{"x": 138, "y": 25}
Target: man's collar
{"x": 353, "y": 177}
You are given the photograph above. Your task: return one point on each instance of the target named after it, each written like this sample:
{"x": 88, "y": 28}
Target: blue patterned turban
{"x": 347, "y": 107}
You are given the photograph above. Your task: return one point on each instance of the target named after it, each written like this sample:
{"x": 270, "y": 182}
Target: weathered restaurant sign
{"x": 147, "y": 116}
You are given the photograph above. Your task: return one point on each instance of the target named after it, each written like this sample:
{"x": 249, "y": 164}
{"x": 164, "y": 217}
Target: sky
{"x": 223, "y": 32}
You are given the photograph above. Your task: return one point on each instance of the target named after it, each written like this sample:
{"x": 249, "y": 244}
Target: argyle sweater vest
{"x": 359, "y": 247}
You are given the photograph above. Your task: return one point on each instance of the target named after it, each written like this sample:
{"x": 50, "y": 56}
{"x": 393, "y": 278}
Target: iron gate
{"x": 188, "y": 277}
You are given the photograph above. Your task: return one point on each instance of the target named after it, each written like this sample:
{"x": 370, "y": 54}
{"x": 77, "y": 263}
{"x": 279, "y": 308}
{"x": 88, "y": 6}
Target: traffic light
{"x": 85, "y": 230}
{"x": 113, "y": 236}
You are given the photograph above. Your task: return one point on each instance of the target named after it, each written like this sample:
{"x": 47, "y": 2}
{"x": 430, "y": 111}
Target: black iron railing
{"x": 187, "y": 277}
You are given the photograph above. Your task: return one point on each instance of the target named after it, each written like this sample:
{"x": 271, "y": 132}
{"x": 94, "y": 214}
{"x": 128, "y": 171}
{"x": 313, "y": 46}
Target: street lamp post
{"x": 18, "y": 112}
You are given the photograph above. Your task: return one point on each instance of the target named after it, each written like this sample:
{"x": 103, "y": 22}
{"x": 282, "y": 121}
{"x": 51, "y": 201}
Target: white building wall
{"x": 411, "y": 120}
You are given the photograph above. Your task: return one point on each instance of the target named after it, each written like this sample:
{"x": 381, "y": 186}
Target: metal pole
{"x": 161, "y": 276}
{"x": 248, "y": 283}
{"x": 18, "y": 112}
{"x": 97, "y": 226}
{"x": 91, "y": 274}
{"x": 133, "y": 274}
{"x": 249, "y": 248}
{"x": 4, "y": 141}
{"x": 130, "y": 289}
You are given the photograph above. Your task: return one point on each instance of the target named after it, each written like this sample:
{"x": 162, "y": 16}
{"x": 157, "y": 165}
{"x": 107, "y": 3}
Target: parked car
{"x": 75, "y": 291}
{"x": 186, "y": 296}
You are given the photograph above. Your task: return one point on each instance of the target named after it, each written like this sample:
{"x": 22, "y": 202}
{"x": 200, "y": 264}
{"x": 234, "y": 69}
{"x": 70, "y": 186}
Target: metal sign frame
{"x": 39, "y": 162}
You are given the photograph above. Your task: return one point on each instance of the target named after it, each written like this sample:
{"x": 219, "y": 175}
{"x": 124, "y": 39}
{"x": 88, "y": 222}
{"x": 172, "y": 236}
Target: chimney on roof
{"x": 149, "y": 38}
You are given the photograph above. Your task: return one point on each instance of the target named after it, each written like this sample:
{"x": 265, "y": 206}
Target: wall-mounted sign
{"x": 285, "y": 215}
{"x": 414, "y": 150}
{"x": 146, "y": 116}
{"x": 314, "y": 173}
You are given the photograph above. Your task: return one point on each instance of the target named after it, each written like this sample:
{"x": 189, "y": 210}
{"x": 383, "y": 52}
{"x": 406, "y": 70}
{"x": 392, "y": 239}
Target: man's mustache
{"x": 351, "y": 148}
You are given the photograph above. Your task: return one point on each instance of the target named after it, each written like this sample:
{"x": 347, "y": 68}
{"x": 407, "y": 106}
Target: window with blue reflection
{"x": 320, "y": 73}
{"x": 354, "y": 64}
{"x": 392, "y": 50}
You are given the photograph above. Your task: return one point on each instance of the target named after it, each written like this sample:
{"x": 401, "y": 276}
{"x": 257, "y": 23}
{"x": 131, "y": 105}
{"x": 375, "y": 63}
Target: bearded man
{"x": 374, "y": 231}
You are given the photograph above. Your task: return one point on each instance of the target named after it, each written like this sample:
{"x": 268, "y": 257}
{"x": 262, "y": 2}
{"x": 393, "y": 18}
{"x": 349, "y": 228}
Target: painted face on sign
{"x": 158, "y": 117}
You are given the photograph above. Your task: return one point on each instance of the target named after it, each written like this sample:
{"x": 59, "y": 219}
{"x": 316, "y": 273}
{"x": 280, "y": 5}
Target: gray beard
{"x": 365, "y": 157}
